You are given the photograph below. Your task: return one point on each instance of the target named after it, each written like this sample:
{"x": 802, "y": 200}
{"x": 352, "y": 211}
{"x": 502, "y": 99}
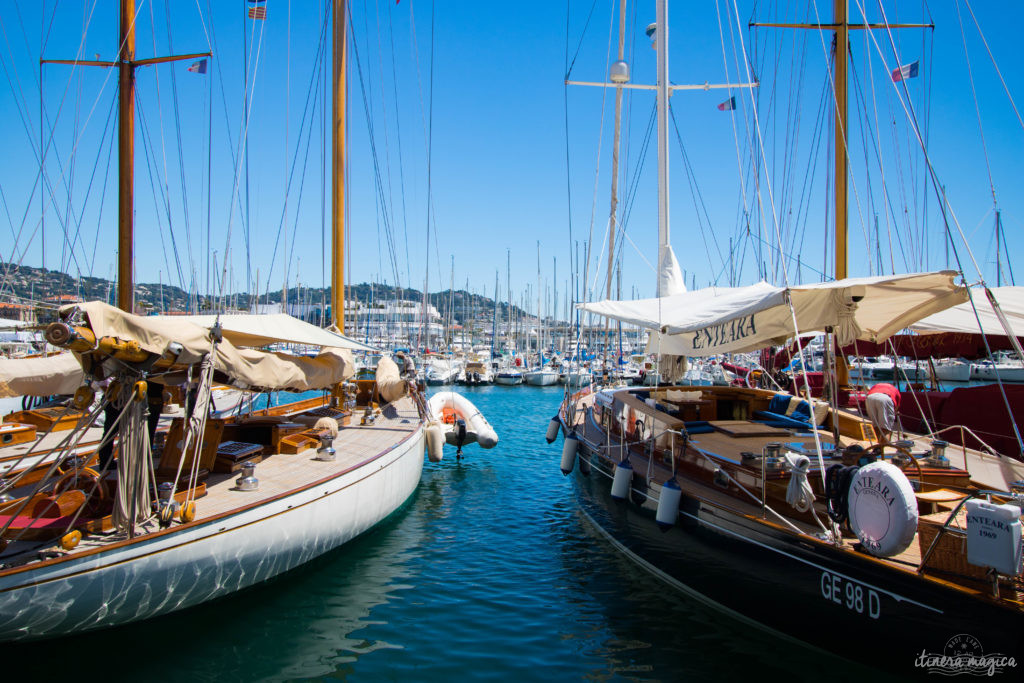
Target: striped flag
{"x": 906, "y": 71}
{"x": 728, "y": 105}
{"x": 199, "y": 67}
{"x": 258, "y": 12}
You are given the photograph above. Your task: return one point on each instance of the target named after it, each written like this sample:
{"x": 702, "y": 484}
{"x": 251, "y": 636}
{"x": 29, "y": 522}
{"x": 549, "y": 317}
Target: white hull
{"x": 184, "y": 566}
{"x": 578, "y": 379}
{"x": 541, "y": 378}
{"x": 953, "y": 372}
{"x": 1008, "y": 372}
{"x": 508, "y": 381}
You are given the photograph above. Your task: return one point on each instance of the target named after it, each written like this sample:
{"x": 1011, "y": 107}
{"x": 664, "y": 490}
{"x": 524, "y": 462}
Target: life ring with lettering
{"x": 882, "y": 509}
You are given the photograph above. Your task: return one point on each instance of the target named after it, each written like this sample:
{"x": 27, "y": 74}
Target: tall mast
{"x": 620, "y": 74}
{"x": 339, "y": 26}
{"x": 661, "y": 18}
{"x": 840, "y": 17}
{"x": 841, "y": 32}
{"x": 126, "y": 157}
{"x": 842, "y": 43}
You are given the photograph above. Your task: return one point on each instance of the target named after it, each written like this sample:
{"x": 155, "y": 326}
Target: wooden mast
{"x": 842, "y": 49}
{"x": 615, "y": 174}
{"x": 126, "y": 158}
{"x": 339, "y": 25}
{"x": 842, "y": 43}
{"x": 841, "y": 30}
{"x": 126, "y": 65}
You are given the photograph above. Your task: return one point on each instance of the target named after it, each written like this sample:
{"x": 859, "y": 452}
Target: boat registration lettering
{"x": 851, "y": 595}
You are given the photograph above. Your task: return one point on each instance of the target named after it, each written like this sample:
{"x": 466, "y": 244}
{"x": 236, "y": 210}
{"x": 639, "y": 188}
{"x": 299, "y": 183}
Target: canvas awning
{"x": 961, "y": 318}
{"x": 723, "y": 320}
{"x": 261, "y": 330}
{"x": 40, "y": 375}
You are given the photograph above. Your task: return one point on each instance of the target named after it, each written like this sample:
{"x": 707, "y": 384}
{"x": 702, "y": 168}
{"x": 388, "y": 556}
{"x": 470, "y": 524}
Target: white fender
{"x": 883, "y": 509}
{"x": 435, "y": 441}
{"x": 569, "y": 453}
{"x": 622, "y": 480}
{"x": 478, "y": 429}
{"x": 553, "y": 428}
{"x": 668, "y": 504}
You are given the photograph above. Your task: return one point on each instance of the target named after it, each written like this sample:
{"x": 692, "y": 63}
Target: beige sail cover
{"x": 720, "y": 320}
{"x": 42, "y": 376}
{"x": 242, "y": 368}
{"x": 245, "y": 329}
{"x": 390, "y": 384}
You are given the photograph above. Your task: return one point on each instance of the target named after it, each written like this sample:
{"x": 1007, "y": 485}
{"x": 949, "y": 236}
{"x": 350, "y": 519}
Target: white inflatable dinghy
{"x": 461, "y": 421}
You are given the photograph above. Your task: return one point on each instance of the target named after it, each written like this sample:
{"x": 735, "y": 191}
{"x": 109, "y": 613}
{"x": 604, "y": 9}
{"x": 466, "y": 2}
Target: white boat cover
{"x": 40, "y": 376}
{"x": 243, "y": 329}
{"x": 243, "y": 368}
{"x": 711, "y": 321}
{"x": 961, "y": 318}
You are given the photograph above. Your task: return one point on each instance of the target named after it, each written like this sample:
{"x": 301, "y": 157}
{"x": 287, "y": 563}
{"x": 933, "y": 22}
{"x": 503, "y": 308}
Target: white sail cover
{"x": 961, "y": 318}
{"x": 670, "y": 277}
{"x": 710, "y": 321}
{"x": 261, "y": 330}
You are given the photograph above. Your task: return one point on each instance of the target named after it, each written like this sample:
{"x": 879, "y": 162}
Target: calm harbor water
{"x": 489, "y": 573}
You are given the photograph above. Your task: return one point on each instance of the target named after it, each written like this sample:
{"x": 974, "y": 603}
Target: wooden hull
{"x": 183, "y": 566}
{"x": 843, "y": 603}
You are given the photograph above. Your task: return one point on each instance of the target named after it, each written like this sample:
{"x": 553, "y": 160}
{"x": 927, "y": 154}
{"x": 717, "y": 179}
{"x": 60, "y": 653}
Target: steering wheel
{"x": 70, "y": 481}
{"x": 878, "y": 449}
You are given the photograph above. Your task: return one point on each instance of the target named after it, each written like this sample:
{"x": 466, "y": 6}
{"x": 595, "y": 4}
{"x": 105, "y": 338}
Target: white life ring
{"x": 883, "y": 509}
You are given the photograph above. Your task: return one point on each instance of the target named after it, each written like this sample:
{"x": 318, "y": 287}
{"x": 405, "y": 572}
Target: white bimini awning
{"x": 711, "y": 321}
{"x": 961, "y": 318}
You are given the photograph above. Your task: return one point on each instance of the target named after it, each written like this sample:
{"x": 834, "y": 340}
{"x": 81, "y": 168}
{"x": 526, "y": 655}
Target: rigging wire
{"x": 999, "y": 73}
{"x": 947, "y": 214}
{"x": 375, "y": 156}
{"x": 307, "y": 116}
{"x": 977, "y": 109}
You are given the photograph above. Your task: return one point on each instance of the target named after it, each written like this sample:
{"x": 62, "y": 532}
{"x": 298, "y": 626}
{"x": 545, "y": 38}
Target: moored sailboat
{"x": 788, "y": 513}
{"x": 100, "y": 528}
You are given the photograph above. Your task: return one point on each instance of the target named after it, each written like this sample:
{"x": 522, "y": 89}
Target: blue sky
{"x": 500, "y": 129}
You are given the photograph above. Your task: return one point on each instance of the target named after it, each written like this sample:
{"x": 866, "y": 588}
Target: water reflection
{"x": 300, "y": 625}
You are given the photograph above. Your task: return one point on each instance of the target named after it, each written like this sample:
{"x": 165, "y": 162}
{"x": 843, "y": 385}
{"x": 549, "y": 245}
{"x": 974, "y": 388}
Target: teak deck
{"x": 280, "y": 473}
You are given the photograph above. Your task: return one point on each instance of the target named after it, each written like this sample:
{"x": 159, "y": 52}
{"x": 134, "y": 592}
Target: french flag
{"x": 906, "y": 71}
{"x": 199, "y": 67}
{"x": 728, "y": 105}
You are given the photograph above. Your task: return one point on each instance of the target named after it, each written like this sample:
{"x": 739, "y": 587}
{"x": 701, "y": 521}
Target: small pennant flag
{"x": 258, "y": 12}
{"x": 199, "y": 67}
{"x": 728, "y": 105}
{"x": 906, "y": 71}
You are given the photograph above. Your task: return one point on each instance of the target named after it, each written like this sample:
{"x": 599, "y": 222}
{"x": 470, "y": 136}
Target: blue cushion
{"x": 802, "y": 412}
{"x": 779, "y": 404}
{"x": 776, "y": 420}
{"x": 698, "y": 427}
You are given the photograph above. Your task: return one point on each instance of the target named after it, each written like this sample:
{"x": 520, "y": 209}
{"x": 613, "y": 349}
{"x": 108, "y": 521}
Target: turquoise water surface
{"x": 489, "y": 573}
